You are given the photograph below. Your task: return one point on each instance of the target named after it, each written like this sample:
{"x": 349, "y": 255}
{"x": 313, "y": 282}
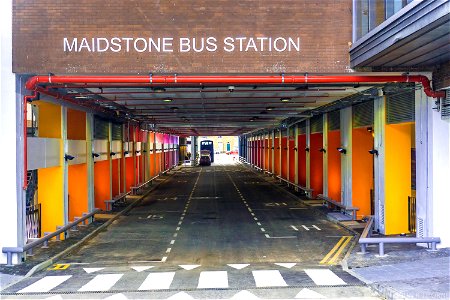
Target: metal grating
{"x": 363, "y": 114}
{"x": 445, "y": 106}
{"x": 317, "y": 124}
{"x": 420, "y": 229}
{"x": 101, "y": 128}
{"x": 400, "y": 108}
{"x": 334, "y": 120}
{"x": 117, "y": 132}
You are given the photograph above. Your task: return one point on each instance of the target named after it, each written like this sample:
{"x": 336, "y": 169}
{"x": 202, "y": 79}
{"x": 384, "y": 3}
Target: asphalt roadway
{"x": 207, "y": 233}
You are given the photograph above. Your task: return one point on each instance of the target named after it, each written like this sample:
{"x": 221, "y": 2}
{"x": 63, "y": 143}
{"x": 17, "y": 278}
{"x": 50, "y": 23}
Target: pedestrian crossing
{"x": 151, "y": 280}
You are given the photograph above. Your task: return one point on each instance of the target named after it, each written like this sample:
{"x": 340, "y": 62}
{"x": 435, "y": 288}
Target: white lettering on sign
{"x": 182, "y": 44}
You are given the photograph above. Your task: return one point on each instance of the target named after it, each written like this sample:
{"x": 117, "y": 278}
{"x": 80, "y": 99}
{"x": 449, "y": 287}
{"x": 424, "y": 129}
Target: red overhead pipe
{"x": 234, "y": 79}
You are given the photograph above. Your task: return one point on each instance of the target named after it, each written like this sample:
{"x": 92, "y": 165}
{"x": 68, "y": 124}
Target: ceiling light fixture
{"x": 167, "y": 100}
{"x": 285, "y": 99}
{"x": 159, "y": 89}
{"x": 269, "y": 108}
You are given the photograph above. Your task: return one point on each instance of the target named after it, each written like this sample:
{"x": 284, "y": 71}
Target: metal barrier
{"x": 307, "y": 191}
{"x": 44, "y": 240}
{"x": 119, "y": 198}
{"x": 343, "y": 207}
{"x": 366, "y": 239}
{"x": 136, "y": 189}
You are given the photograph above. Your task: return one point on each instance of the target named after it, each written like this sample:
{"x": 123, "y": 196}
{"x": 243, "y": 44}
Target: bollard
{"x": 58, "y": 237}
{"x": 363, "y": 248}
{"x": 381, "y": 249}
{"x": 46, "y": 241}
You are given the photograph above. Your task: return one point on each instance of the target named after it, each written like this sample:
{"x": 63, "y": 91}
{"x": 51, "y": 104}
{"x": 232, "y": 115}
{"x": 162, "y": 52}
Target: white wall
{"x": 439, "y": 175}
{"x": 9, "y": 119}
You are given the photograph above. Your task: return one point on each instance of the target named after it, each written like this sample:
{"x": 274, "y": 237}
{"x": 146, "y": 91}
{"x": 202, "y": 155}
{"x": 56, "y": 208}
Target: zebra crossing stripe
{"x": 45, "y": 284}
{"x": 157, "y": 281}
{"x": 213, "y": 279}
{"x": 324, "y": 277}
{"x": 101, "y": 283}
{"x": 268, "y": 278}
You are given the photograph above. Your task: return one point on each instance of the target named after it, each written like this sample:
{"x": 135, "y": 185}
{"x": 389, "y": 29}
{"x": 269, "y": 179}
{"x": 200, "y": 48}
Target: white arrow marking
{"x": 189, "y": 267}
{"x": 92, "y": 270}
{"x": 286, "y": 265}
{"x": 244, "y": 295}
{"x": 141, "y": 268}
{"x": 238, "y": 266}
{"x": 309, "y": 294}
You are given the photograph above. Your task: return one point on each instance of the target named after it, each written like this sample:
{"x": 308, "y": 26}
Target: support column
{"x": 90, "y": 160}
{"x": 308, "y": 154}
{"x": 296, "y": 153}
{"x": 379, "y": 160}
{"x": 346, "y": 159}
{"x": 280, "y": 155}
{"x": 11, "y": 132}
{"x": 325, "y": 154}
{"x": 432, "y": 170}
{"x": 66, "y": 164}
{"x": 110, "y": 160}
{"x": 272, "y": 148}
{"x": 288, "y": 156}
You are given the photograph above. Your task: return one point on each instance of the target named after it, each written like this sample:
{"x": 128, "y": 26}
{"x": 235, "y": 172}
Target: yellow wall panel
{"x": 50, "y": 196}
{"x": 49, "y": 123}
{"x": 397, "y": 177}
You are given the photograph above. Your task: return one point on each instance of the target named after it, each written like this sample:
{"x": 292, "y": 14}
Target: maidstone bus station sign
{"x": 222, "y": 36}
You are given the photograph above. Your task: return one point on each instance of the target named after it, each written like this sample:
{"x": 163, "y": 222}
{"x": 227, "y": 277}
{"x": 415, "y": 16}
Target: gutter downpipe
{"x": 33, "y": 82}
{"x": 26, "y": 98}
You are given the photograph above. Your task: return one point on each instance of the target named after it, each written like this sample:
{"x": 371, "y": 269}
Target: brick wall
{"x": 40, "y": 26}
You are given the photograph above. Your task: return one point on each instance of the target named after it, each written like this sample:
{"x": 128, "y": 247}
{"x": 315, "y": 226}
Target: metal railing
{"x": 307, "y": 191}
{"x": 48, "y": 235}
{"x": 366, "y": 239}
{"x": 136, "y": 189}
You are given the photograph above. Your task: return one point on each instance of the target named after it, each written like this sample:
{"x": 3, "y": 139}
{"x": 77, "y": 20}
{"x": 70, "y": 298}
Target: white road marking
{"x": 255, "y": 218}
{"x": 45, "y": 284}
{"x": 267, "y": 236}
{"x": 268, "y": 278}
{"x": 175, "y": 235}
{"x": 309, "y": 294}
{"x": 298, "y": 208}
{"x": 178, "y": 228}
{"x": 213, "y": 279}
{"x": 324, "y": 277}
{"x": 244, "y": 295}
{"x": 101, "y": 283}
{"x": 172, "y": 242}
{"x": 189, "y": 267}
{"x": 259, "y": 224}
{"x": 57, "y": 297}
{"x": 141, "y": 268}
{"x": 157, "y": 281}
{"x": 92, "y": 270}
{"x": 168, "y": 250}
{"x": 238, "y": 266}
{"x": 119, "y": 296}
{"x": 313, "y": 226}
{"x": 180, "y": 296}
{"x": 164, "y": 259}
{"x": 295, "y": 228}
{"x": 179, "y": 223}
{"x": 263, "y": 230}
{"x": 286, "y": 265}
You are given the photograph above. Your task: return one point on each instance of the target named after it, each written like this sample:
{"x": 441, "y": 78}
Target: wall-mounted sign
{"x": 181, "y": 45}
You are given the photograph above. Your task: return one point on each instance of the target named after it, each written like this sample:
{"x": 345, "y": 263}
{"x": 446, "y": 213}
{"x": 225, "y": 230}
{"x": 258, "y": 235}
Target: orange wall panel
{"x": 334, "y": 165}
{"x": 316, "y": 163}
{"x": 101, "y": 183}
{"x": 130, "y": 173}
{"x": 284, "y": 157}
{"x": 277, "y": 156}
{"x": 78, "y": 190}
{"x": 115, "y": 177}
{"x": 301, "y": 159}
{"x": 51, "y": 197}
{"x": 292, "y": 154}
{"x": 362, "y": 170}
{"x": 76, "y": 125}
